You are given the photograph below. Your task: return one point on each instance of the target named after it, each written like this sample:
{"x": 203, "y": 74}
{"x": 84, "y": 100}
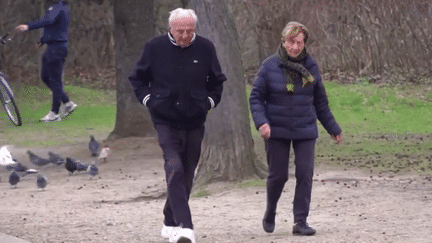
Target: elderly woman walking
{"x": 287, "y": 98}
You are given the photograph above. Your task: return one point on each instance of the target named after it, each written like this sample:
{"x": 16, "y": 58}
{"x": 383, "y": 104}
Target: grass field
{"x": 385, "y": 128}
{"x": 95, "y": 115}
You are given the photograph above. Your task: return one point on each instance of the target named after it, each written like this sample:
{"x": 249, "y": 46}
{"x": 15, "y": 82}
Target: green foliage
{"x": 385, "y": 128}
{"x": 253, "y": 183}
{"x": 363, "y": 109}
{"x": 94, "y": 115}
{"x": 253, "y": 129}
{"x": 202, "y": 193}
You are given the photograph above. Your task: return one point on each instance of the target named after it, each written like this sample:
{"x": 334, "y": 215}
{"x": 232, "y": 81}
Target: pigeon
{"x": 55, "y": 158}
{"x": 16, "y": 166}
{"x": 41, "y": 181}
{"x": 5, "y": 151}
{"x": 36, "y": 160}
{"x": 5, "y": 157}
{"x": 73, "y": 165}
{"x": 70, "y": 166}
{"x": 92, "y": 170}
{"x": 14, "y": 179}
{"x": 26, "y": 172}
{"x": 93, "y": 146}
{"x": 104, "y": 153}
{"x": 20, "y": 169}
{"x": 80, "y": 166}
{"x": 8, "y": 164}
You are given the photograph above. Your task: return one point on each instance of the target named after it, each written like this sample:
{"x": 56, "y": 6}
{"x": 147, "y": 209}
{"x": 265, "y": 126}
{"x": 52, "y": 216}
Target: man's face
{"x": 183, "y": 30}
{"x": 294, "y": 44}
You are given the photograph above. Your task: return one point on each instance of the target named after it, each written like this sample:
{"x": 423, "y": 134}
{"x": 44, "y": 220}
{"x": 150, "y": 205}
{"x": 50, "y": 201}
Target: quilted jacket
{"x": 290, "y": 116}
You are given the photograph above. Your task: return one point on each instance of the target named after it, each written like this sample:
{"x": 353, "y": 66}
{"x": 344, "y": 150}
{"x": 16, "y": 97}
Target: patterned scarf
{"x": 292, "y": 68}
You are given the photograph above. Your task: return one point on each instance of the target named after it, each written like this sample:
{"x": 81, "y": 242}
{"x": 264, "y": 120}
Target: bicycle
{"x": 7, "y": 97}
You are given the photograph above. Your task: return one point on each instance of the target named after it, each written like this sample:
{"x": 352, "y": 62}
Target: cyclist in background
{"x": 55, "y": 24}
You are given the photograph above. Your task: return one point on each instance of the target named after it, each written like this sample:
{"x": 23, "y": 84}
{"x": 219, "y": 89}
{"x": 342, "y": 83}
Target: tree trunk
{"x": 134, "y": 25}
{"x": 161, "y": 13}
{"x": 228, "y": 152}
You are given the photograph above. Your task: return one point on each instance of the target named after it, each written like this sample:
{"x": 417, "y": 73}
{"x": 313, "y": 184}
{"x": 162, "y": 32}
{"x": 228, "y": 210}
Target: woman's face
{"x": 294, "y": 44}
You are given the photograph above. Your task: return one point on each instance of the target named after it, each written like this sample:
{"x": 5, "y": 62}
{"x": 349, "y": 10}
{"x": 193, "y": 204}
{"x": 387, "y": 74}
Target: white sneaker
{"x": 168, "y": 230}
{"x": 51, "y": 116}
{"x": 184, "y": 235}
{"x": 68, "y": 108}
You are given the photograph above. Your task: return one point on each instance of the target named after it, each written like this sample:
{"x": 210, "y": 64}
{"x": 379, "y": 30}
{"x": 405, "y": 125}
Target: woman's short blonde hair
{"x": 293, "y": 29}
{"x": 182, "y": 13}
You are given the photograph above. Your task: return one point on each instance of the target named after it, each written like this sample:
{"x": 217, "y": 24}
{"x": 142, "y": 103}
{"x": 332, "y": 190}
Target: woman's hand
{"x": 338, "y": 138}
{"x": 265, "y": 130}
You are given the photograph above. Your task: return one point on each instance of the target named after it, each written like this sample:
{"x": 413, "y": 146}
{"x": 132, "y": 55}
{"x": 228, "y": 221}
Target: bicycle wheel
{"x": 8, "y": 102}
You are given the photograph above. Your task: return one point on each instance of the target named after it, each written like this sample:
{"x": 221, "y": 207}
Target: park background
{"x": 374, "y": 58}
{"x": 375, "y": 61}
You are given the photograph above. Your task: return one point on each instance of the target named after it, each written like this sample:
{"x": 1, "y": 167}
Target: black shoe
{"x": 303, "y": 229}
{"x": 269, "y": 222}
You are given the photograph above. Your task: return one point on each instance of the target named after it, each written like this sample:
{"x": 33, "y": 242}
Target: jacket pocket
{"x": 201, "y": 99}
{"x": 160, "y": 103}
{"x": 193, "y": 106}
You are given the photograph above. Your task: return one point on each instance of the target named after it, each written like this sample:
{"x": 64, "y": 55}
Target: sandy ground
{"x": 124, "y": 204}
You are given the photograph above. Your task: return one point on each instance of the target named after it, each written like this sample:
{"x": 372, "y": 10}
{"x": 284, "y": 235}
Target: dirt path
{"x": 124, "y": 204}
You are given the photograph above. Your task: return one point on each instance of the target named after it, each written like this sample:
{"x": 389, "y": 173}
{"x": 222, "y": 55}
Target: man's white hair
{"x": 182, "y": 13}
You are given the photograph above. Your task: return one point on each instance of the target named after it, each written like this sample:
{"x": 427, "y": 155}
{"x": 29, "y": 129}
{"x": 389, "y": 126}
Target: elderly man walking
{"x": 179, "y": 79}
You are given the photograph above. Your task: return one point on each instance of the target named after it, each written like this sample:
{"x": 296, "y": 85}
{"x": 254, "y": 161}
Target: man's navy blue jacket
{"x": 180, "y": 81}
{"x": 290, "y": 116}
{"x": 55, "y": 23}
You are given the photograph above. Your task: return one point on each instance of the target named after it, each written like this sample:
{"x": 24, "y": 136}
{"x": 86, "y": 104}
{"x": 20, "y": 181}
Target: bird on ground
{"x": 92, "y": 170}
{"x": 26, "y": 172}
{"x": 20, "y": 169}
{"x": 36, "y": 160}
{"x": 5, "y": 157}
{"x": 55, "y": 158}
{"x": 104, "y": 153}
{"x": 73, "y": 165}
{"x": 7, "y": 163}
{"x": 81, "y": 166}
{"x": 41, "y": 181}
{"x": 93, "y": 146}
{"x": 14, "y": 179}
{"x": 16, "y": 166}
{"x": 4, "y": 150}
{"x": 70, "y": 166}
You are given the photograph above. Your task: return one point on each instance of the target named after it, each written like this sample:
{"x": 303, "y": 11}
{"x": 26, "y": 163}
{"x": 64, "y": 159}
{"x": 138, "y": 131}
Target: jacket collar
{"x": 173, "y": 41}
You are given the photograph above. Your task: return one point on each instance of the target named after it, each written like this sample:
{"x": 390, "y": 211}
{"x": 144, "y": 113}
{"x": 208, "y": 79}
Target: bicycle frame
{"x": 7, "y": 96}
{"x": 5, "y": 83}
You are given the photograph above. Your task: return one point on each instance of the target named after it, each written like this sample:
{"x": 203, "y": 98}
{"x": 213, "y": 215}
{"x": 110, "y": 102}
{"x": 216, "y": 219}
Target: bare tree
{"x": 161, "y": 10}
{"x": 228, "y": 152}
{"x": 19, "y": 59}
{"x": 134, "y": 25}
{"x": 348, "y": 38}
{"x": 91, "y": 36}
